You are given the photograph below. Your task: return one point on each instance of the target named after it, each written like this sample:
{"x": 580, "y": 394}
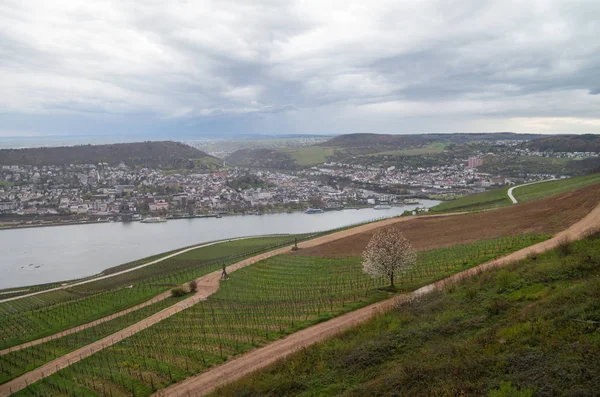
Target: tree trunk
{"x": 392, "y": 280}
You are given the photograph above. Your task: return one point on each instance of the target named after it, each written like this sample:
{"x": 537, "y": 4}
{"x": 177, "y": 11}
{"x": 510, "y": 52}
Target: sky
{"x": 175, "y": 68}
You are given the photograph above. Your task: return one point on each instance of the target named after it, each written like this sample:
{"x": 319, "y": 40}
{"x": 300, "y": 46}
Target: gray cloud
{"x": 302, "y": 66}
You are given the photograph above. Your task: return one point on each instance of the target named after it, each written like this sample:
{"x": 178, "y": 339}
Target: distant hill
{"x": 262, "y": 158}
{"x": 166, "y": 154}
{"x": 404, "y": 141}
{"x": 567, "y": 143}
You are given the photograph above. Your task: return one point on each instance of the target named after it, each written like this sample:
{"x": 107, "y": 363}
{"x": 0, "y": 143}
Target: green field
{"x": 431, "y": 148}
{"x": 260, "y": 303}
{"x": 41, "y": 315}
{"x": 545, "y": 189}
{"x": 531, "y": 329}
{"x": 481, "y": 201}
{"x": 310, "y": 155}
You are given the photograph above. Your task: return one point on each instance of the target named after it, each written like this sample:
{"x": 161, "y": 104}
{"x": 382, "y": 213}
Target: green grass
{"x": 260, "y": 303}
{"x": 431, "y": 148}
{"x": 529, "y": 329}
{"x": 310, "y": 155}
{"x": 545, "y": 189}
{"x": 475, "y": 202}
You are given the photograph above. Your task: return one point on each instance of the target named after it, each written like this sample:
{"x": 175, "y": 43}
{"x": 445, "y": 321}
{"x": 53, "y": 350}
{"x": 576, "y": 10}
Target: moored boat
{"x": 153, "y": 219}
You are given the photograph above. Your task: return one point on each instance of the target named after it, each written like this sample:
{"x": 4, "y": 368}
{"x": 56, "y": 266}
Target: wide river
{"x": 47, "y": 254}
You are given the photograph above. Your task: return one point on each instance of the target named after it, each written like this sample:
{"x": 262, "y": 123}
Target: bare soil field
{"x": 549, "y": 215}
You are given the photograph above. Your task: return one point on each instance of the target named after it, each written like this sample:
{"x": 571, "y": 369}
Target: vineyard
{"x": 18, "y": 362}
{"x": 260, "y": 303}
{"x": 37, "y": 316}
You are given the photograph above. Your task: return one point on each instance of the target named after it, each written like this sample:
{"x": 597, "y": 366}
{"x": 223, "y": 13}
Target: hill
{"x": 529, "y": 329}
{"x": 166, "y": 154}
{"x": 412, "y": 140}
{"x": 358, "y": 148}
{"x": 567, "y": 143}
{"x": 262, "y": 158}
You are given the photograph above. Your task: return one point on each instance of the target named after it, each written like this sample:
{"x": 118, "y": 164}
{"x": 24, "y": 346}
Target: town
{"x": 32, "y": 195}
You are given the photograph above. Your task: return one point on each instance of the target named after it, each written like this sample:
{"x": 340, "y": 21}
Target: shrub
{"x": 564, "y": 247}
{"x": 177, "y": 292}
{"x": 193, "y": 286}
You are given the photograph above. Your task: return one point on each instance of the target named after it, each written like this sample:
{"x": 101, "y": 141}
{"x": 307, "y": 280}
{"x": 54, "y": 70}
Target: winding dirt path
{"x": 207, "y": 285}
{"x": 260, "y": 358}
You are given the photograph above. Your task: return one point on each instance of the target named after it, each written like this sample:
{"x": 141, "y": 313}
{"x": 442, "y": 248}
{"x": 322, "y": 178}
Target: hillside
{"x": 262, "y": 158}
{"x": 412, "y": 140}
{"x": 164, "y": 154}
{"x": 366, "y": 149}
{"x": 529, "y": 329}
{"x": 499, "y": 197}
{"x": 567, "y": 143}
{"x": 547, "y": 215}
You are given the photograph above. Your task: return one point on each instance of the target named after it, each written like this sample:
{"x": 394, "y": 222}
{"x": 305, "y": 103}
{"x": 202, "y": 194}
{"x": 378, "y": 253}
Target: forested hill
{"x": 166, "y": 154}
{"x": 567, "y": 143}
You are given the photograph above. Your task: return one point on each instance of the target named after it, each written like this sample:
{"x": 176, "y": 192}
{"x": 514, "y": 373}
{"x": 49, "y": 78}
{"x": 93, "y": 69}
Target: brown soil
{"x": 260, "y": 358}
{"x": 549, "y": 215}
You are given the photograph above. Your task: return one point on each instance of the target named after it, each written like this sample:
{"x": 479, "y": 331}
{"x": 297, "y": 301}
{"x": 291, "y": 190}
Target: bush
{"x": 193, "y": 286}
{"x": 564, "y": 247}
{"x": 177, "y": 292}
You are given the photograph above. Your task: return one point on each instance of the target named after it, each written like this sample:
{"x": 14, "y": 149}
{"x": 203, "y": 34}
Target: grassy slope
{"x": 532, "y": 328}
{"x": 310, "y": 155}
{"x": 499, "y": 197}
{"x": 480, "y": 201}
{"x": 537, "y": 191}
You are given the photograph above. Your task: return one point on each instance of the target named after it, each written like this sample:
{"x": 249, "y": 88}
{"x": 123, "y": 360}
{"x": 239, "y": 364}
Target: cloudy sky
{"x": 272, "y": 66}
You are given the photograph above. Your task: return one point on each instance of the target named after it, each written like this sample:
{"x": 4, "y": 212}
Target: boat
{"x": 153, "y": 219}
{"x": 383, "y": 207}
{"x": 411, "y": 202}
{"x": 313, "y": 211}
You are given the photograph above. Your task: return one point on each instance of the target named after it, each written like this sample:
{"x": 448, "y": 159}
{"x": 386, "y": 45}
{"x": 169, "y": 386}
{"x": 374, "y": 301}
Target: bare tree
{"x": 388, "y": 253}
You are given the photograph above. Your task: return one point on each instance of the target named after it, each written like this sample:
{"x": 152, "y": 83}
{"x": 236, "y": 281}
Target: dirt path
{"x": 207, "y": 285}
{"x": 110, "y": 317}
{"x": 131, "y": 269}
{"x": 264, "y": 356}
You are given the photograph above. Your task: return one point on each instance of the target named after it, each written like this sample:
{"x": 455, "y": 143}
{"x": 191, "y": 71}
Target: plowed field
{"x": 548, "y": 215}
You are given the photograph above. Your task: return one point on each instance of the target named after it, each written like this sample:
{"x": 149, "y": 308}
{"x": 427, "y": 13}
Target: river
{"x": 48, "y": 254}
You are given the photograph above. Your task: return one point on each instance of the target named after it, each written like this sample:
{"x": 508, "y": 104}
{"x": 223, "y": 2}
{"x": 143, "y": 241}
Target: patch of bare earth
{"x": 548, "y": 215}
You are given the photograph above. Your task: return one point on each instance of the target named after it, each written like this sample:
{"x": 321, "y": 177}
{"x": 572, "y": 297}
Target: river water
{"x": 48, "y": 254}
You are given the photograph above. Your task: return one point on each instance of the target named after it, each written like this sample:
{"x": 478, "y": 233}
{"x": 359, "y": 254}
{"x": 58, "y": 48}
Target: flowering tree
{"x": 388, "y": 253}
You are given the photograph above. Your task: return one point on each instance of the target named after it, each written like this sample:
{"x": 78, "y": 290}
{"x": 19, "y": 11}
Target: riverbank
{"x": 41, "y": 255}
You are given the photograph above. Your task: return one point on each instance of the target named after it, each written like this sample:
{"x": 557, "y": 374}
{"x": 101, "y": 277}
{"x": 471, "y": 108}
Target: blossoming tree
{"x": 388, "y": 253}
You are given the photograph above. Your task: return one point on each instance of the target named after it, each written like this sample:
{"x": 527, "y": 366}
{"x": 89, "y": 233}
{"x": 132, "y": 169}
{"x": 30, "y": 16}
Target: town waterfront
{"x": 48, "y": 254}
